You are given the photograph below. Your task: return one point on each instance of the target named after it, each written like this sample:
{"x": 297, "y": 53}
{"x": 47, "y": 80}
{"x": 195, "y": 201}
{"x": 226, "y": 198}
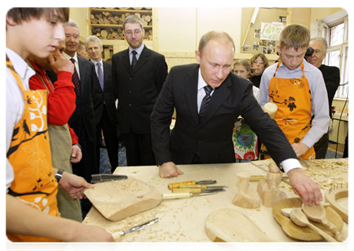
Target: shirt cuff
{"x": 290, "y": 164}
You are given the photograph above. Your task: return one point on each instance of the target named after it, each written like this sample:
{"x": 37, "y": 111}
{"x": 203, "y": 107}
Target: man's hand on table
{"x": 305, "y": 187}
{"x": 169, "y": 169}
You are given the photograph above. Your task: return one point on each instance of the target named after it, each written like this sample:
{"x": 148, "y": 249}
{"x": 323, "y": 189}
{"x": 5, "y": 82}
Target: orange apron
{"x": 30, "y": 157}
{"x": 293, "y": 98}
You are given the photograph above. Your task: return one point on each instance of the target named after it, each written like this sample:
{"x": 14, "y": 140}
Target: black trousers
{"x": 138, "y": 149}
{"x": 110, "y": 137}
{"x": 321, "y": 146}
{"x": 347, "y": 146}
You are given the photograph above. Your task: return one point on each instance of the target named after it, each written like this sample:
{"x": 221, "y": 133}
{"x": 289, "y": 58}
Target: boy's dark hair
{"x": 19, "y": 15}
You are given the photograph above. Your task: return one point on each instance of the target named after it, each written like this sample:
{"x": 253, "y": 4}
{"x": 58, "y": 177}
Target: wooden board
{"x": 303, "y": 233}
{"x": 228, "y": 225}
{"x": 117, "y": 200}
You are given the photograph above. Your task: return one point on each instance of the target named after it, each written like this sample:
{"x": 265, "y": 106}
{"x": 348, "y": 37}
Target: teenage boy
{"x": 299, "y": 91}
{"x": 31, "y": 180}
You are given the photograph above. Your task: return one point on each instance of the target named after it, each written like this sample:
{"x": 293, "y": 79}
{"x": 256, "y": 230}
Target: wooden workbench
{"x": 182, "y": 220}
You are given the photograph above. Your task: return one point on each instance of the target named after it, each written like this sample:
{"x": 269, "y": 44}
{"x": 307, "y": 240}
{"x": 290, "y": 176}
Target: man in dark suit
{"x": 138, "y": 74}
{"x": 82, "y": 120}
{"x": 208, "y": 99}
{"x": 331, "y": 77}
{"x": 104, "y": 106}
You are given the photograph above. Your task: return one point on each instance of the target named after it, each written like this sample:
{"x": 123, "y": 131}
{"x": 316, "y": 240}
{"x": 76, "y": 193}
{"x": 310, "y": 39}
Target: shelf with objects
{"x": 107, "y": 23}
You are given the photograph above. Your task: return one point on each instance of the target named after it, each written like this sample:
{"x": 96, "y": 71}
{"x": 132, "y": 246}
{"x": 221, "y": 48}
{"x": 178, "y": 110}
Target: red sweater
{"x": 61, "y": 96}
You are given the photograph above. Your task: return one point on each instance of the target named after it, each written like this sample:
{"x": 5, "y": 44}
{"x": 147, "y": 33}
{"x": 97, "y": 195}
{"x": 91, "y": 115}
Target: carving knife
{"x": 303, "y": 161}
{"x": 102, "y": 177}
{"x": 197, "y": 190}
{"x": 192, "y": 182}
{"x": 202, "y": 186}
{"x": 117, "y": 235}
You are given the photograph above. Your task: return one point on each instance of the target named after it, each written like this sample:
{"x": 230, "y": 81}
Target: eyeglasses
{"x": 74, "y": 36}
{"x": 129, "y": 32}
{"x": 257, "y": 62}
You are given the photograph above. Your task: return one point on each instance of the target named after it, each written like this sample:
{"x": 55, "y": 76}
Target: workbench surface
{"x": 183, "y": 220}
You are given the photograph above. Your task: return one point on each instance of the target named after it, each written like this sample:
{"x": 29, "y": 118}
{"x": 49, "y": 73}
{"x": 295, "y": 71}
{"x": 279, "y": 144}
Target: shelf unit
{"x": 107, "y": 23}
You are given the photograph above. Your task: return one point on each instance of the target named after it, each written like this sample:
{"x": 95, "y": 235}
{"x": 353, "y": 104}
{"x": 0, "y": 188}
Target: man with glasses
{"x": 138, "y": 73}
{"x": 331, "y": 77}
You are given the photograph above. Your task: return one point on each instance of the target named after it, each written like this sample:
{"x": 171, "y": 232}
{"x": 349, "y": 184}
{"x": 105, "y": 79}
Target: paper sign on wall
{"x": 271, "y": 31}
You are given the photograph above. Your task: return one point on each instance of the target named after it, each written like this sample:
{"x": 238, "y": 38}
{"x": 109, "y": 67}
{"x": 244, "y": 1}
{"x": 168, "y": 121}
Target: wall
{"x": 80, "y": 15}
{"x": 300, "y": 16}
{"x": 179, "y": 37}
{"x": 264, "y": 15}
{"x": 177, "y": 30}
{"x": 319, "y": 13}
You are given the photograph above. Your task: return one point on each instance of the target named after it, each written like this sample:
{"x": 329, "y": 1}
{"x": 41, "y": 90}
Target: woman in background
{"x": 259, "y": 63}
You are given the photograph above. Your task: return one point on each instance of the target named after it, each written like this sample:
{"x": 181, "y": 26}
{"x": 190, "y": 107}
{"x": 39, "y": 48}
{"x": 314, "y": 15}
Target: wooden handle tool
{"x": 171, "y": 196}
{"x": 192, "y": 182}
{"x": 176, "y": 185}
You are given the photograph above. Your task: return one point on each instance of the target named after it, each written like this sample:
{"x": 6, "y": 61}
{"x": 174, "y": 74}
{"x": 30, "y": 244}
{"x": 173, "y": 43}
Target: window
{"x": 335, "y": 31}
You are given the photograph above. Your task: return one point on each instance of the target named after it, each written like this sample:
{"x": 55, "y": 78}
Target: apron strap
{"x": 301, "y": 65}
{"x": 14, "y": 73}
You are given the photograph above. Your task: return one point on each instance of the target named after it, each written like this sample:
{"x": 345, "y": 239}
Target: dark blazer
{"x": 137, "y": 88}
{"x": 210, "y": 138}
{"x": 84, "y": 111}
{"x": 331, "y": 77}
{"x": 106, "y": 96}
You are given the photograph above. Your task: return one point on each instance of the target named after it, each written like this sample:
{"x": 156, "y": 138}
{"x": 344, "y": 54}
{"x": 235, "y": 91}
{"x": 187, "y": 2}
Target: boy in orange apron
{"x": 298, "y": 89}
{"x": 31, "y": 182}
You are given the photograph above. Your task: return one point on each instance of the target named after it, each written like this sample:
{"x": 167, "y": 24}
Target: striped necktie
{"x": 100, "y": 74}
{"x": 76, "y": 79}
{"x": 208, "y": 89}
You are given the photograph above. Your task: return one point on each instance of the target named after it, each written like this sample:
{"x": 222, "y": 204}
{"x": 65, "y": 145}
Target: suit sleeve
{"x": 160, "y": 122}
{"x": 332, "y": 81}
{"x": 114, "y": 77}
{"x": 161, "y": 72}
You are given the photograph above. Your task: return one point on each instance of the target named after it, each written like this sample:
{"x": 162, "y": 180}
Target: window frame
{"x": 325, "y": 27}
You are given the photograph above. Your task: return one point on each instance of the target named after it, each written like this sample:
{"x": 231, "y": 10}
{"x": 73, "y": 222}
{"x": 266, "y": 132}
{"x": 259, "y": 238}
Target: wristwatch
{"x": 59, "y": 174}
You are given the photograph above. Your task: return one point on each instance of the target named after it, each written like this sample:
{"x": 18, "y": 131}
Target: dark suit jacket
{"x": 331, "y": 77}
{"x": 137, "y": 88}
{"x": 84, "y": 104}
{"x": 210, "y": 138}
{"x": 105, "y": 98}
